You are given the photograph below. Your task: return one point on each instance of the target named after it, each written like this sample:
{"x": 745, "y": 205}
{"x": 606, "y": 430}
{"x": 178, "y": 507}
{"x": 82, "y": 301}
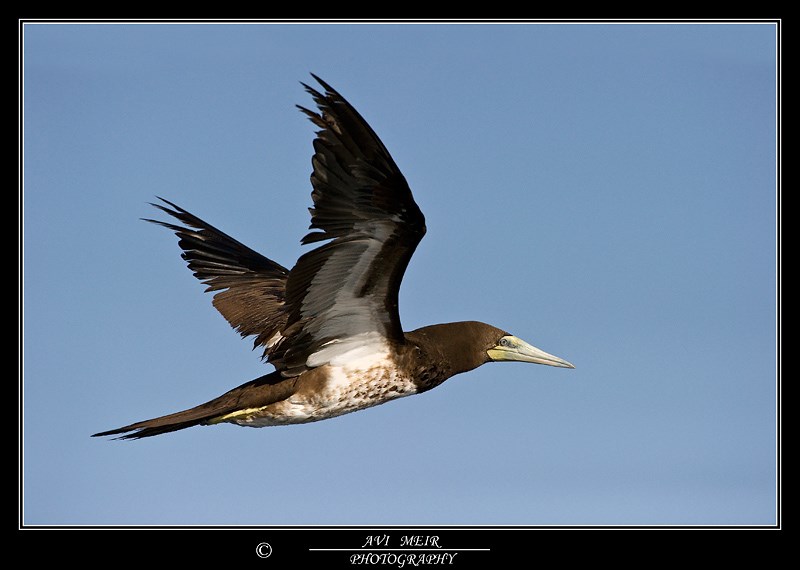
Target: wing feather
{"x": 364, "y": 209}
{"x": 344, "y": 290}
{"x": 250, "y": 288}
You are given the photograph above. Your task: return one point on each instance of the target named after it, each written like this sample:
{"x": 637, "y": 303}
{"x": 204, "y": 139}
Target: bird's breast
{"x": 348, "y": 389}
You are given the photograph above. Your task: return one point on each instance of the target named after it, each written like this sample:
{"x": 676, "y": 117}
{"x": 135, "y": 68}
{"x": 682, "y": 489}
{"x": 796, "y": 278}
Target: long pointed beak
{"x": 511, "y": 348}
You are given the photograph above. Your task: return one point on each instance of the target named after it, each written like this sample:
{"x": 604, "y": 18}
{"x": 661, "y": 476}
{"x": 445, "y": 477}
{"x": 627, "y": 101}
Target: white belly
{"x": 361, "y": 383}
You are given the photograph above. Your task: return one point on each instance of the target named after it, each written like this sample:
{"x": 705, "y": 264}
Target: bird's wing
{"x": 344, "y": 294}
{"x": 250, "y": 289}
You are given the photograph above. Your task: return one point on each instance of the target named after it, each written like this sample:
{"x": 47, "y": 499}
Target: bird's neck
{"x": 449, "y": 347}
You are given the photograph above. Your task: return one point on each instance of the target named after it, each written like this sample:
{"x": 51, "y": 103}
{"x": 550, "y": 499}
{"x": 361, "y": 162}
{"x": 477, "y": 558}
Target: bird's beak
{"x": 511, "y": 348}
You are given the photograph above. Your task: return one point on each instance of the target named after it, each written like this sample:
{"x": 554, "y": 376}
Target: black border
{"x": 315, "y": 544}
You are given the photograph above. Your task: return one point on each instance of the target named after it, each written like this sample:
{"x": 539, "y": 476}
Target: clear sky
{"x": 605, "y": 192}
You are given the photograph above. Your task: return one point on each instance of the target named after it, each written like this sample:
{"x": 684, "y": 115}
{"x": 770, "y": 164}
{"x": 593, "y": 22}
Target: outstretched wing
{"x": 344, "y": 294}
{"x": 250, "y": 289}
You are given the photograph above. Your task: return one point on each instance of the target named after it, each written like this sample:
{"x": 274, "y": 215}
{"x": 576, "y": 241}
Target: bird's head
{"x": 469, "y": 344}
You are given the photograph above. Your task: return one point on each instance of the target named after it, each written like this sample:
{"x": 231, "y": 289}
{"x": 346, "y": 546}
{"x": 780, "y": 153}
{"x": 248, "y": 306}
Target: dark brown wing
{"x": 344, "y": 293}
{"x": 250, "y": 288}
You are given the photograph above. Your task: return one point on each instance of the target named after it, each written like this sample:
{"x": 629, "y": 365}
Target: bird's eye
{"x": 504, "y": 342}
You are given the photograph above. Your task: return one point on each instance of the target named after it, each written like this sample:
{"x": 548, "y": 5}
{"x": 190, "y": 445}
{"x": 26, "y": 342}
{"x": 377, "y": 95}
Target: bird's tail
{"x": 257, "y": 393}
{"x": 163, "y": 424}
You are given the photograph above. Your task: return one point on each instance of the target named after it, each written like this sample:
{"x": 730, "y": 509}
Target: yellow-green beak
{"x": 511, "y": 348}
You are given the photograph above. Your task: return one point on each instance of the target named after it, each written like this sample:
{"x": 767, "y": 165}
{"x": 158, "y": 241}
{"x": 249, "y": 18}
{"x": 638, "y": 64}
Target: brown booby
{"x": 330, "y": 325}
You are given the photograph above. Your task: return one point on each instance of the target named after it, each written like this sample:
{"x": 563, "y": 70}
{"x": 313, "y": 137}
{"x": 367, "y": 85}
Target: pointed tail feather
{"x": 257, "y": 393}
{"x": 163, "y": 424}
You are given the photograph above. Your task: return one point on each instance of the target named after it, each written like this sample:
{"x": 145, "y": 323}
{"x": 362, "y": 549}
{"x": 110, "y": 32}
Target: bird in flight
{"x": 330, "y": 325}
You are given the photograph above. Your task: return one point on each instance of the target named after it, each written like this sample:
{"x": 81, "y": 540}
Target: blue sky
{"x": 605, "y": 191}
